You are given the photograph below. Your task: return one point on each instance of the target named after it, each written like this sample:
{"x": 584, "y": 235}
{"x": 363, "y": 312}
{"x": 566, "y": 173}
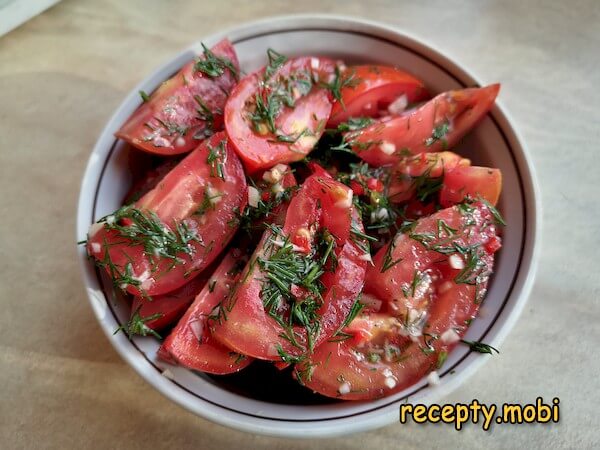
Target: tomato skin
{"x": 440, "y": 301}
{"x": 176, "y": 200}
{"x": 357, "y": 188}
{"x": 402, "y": 186}
{"x": 149, "y": 180}
{"x": 190, "y": 344}
{"x": 413, "y": 131}
{"x": 171, "y": 306}
{"x": 378, "y": 86}
{"x": 249, "y": 329}
{"x": 260, "y": 151}
{"x": 174, "y": 103}
{"x": 471, "y": 181}
{"x": 375, "y": 185}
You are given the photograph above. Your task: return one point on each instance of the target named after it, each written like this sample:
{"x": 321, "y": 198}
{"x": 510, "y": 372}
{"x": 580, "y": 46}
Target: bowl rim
{"x": 520, "y": 290}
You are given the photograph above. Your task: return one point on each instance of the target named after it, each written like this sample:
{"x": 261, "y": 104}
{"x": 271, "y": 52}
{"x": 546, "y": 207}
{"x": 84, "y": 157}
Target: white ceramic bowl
{"x": 252, "y": 401}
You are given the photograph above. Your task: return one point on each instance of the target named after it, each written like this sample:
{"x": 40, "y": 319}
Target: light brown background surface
{"x": 61, "y": 76}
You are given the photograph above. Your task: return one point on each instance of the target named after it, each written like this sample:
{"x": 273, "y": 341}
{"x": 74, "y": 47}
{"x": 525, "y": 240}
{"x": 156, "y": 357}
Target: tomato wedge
{"x": 437, "y": 125}
{"x": 177, "y": 229}
{"x": 149, "y": 180}
{"x": 430, "y": 282}
{"x": 168, "y": 308}
{"x": 421, "y": 175}
{"x": 471, "y": 181}
{"x": 277, "y": 115}
{"x": 444, "y": 177}
{"x": 376, "y": 88}
{"x": 188, "y": 107}
{"x": 303, "y": 279}
{"x": 191, "y": 344}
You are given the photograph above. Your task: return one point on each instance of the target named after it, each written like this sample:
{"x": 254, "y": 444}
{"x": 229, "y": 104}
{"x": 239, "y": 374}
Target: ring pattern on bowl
{"x": 349, "y": 39}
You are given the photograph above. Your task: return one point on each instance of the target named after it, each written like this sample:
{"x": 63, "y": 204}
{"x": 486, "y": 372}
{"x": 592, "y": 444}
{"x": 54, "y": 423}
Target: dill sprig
{"x": 480, "y": 347}
{"x": 216, "y": 159}
{"x": 171, "y": 128}
{"x": 146, "y": 229}
{"x": 388, "y": 258}
{"x": 266, "y": 109}
{"x": 137, "y": 325}
{"x": 438, "y": 134}
{"x": 286, "y": 269}
{"x": 426, "y": 186}
{"x": 414, "y": 284}
{"x": 498, "y": 219}
{"x": 275, "y": 93}
{"x": 475, "y": 268}
{"x": 214, "y": 66}
{"x": 206, "y": 115}
{"x": 276, "y": 60}
{"x": 145, "y": 97}
{"x": 120, "y": 278}
{"x": 340, "y": 334}
{"x": 341, "y": 81}
{"x": 353, "y": 124}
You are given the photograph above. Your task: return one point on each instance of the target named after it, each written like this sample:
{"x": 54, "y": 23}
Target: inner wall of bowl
{"x": 264, "y": 392}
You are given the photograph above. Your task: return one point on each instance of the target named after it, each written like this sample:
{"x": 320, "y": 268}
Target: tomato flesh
{"x": 473, "y": 182}
{"x": 191, "y": 344}
{"x": 412, "y": 173}
{"x": 376, "y": 88}
{"x": 435, "y": 126}
{"x": 184, "y": 110}
{"x": 409, "y": 336}
{"x": 445, "y": 177}
{"x": 192, "y": 204}
{"x": 250, "y": 327}
{"x": 296, "y": 129}
{"x": 168, "y": 307}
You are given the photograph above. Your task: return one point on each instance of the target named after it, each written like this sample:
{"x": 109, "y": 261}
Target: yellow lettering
{"x": 488, "y": 415}
{"x": 404, "y": 410}
{"x": 512, "y": 413}
{"x": 434, "y": 418}
{"x": 462, "y": 415}
{"x": 419, "y": 414}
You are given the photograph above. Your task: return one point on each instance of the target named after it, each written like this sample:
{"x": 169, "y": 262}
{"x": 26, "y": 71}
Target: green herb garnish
{"x": 276, "y": 60}
{"x": 214, "y": 66}
{"x": 341, "y": 81}
{"x": 388, "y": 260}
{"x": 145, "y": 97}
{"x": 439, "y": 133}
{"x": 340, "y": 335}
{"x": 216, "y": 159}
{"x": 137, "y": 325}
{"x": 146, "y": 229}
{"x": 480, "y": 347}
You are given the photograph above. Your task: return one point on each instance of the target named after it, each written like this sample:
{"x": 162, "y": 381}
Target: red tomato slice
{"x": 149, "y": 180}
{"x": 190, "y": 344}
{"x": 412, "y": 175}
{"x": 471, "y": 181}
{"x": 444, "y": 176}
{"x": 169, "y": 307}
{"x": 295, "y": 130}
{"x": 177, "y": 229}
{"x": 437, "y": 125}
{"x": 186, "y": 108}
{"x": 258, "y": 317}
{"x": 376, "y": 89}
{"x": 429, "y": 302}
